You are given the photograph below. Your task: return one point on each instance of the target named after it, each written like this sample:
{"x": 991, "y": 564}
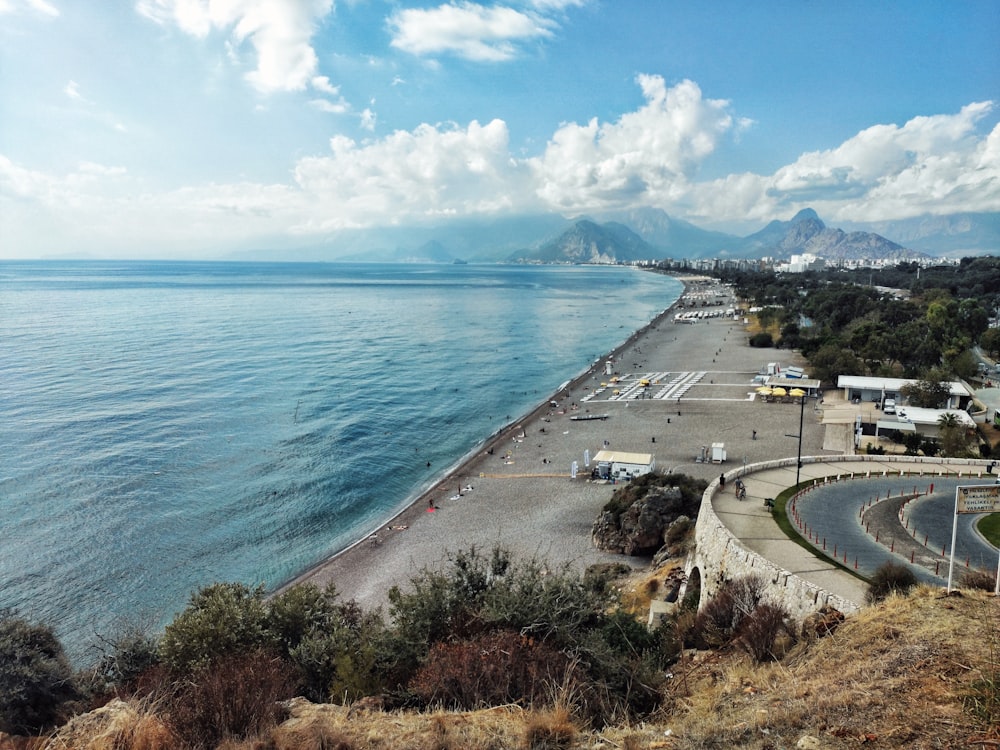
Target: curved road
{"x": 848, "y": 515}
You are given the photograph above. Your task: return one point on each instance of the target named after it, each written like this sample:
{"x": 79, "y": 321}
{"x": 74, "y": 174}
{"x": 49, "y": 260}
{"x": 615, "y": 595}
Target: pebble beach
{"x": 517, "y": 491}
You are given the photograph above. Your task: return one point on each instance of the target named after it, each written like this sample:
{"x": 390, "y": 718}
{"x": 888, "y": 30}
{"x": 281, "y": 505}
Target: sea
{"x": 168, "y": 425}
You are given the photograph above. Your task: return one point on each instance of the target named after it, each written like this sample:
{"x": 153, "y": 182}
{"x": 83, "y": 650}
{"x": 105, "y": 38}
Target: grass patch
{"x": 989, "y": 527}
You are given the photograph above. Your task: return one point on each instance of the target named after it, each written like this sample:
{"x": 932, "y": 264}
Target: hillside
{"x": 921, "y": 671}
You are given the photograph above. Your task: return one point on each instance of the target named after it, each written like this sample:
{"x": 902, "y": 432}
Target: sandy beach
{"x": 517, "y": 491}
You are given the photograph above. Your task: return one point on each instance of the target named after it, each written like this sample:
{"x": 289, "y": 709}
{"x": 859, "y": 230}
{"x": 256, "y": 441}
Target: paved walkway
{"x": 753, "y": 524}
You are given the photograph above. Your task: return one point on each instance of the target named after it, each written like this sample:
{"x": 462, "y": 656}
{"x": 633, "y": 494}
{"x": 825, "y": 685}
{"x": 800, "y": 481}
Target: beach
{"x": 516, "y": 490}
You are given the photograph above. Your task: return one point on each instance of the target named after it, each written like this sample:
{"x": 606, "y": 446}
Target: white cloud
{"x": 431, "y": 171}
{"x": 647, "y": 155}
{"x": 39, "y": 6}
{"x": 930, "y": 165}
{"x": 467, "y": 30}
{"x": 72, "y": 90}
{"x": 280, "y": 32}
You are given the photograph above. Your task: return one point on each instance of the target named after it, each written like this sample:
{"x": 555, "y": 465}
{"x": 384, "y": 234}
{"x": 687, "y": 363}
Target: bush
{"x": 761, "y": 340}
{"x": 890, "y": 578}
{"x": 35, "y": 676}
{"x": 980, "y": 580}
{"x": 221, "y": 619}
{"x": 128, "y": 655}
{"x": 234, "y": 696}
{"x": 717, "y": 622}
{"x": 488, "y": 670}
{"x": 760, "y": 629}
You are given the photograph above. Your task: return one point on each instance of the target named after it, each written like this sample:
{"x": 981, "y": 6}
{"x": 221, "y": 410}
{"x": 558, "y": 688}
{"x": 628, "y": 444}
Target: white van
{"x": 889, "y": 406}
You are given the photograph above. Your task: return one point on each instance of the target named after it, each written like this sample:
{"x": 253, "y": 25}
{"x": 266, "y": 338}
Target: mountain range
{"x": 651, "y": 234}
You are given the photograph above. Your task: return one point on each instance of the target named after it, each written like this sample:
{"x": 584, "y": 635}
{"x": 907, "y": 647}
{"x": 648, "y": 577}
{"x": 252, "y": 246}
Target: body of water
{"x": 169, "y": 425}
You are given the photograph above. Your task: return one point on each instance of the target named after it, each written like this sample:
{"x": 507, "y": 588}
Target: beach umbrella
{"x": 779, "y": 391}
{"x": 796, "y": 392}
{"x": 764, "y": 391}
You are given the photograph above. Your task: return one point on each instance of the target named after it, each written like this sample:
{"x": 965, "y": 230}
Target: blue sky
{"x": 191, "y": 128}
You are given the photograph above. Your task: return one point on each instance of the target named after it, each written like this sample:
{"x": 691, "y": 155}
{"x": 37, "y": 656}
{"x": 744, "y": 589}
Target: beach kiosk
{"x": 622, "y": 466}
{"x": 718, "y": 453}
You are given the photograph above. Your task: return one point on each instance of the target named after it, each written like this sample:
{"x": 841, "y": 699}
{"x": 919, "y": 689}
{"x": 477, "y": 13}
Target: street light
{"x": 802, "y": 412}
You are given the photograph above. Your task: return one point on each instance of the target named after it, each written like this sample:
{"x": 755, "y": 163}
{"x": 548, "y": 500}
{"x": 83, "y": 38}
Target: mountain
{"x": 589, "y": 242}
{"x": 806, "y": 233}
{"x": 955, "y": 235}
{"x": 675, "y": 238}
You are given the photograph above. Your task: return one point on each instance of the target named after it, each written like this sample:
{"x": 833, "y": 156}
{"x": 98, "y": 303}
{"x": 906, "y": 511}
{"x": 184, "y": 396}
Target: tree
{"x": 952, "y": 436}
{"x": 928, "y": 394}
{"x": 221, "y": 619}
{"x": 990, "y": 341}
{"x": 35, "y": 676}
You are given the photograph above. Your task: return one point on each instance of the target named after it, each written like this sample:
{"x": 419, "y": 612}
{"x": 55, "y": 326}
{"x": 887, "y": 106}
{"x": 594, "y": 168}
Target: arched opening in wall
{"x": 691, "y": 594}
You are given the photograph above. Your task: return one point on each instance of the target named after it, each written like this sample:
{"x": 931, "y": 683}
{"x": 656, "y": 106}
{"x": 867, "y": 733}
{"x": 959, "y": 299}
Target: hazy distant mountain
{"x": 955, "y": 235}
{"x": 675, "y": 238}
{"x": 645, "y": 234}
{"x": 806, "y": 233}
{"x": 589, "y": 242}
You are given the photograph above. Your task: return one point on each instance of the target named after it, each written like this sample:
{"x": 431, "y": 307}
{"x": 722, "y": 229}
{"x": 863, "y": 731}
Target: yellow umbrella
{"x": 796, "y": 392}
{"x": 764, "y": 391}
{"x": 779, "y": 391}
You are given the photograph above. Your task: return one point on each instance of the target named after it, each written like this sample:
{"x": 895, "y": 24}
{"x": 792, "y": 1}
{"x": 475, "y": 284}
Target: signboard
{"x": 982, "y": 499}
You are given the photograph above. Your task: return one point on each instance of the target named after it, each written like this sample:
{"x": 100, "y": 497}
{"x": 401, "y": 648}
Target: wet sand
{"x": 517, "y": 492}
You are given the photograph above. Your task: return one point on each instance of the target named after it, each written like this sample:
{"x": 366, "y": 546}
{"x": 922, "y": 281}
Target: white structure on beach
{"x": 622, "y": 466}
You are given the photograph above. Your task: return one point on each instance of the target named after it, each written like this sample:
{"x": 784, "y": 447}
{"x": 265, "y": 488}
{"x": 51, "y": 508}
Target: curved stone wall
{"x": 721, "y": 556}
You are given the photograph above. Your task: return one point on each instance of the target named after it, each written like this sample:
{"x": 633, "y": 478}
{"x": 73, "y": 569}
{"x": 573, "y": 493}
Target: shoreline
{"x": 460, "y": 468}
{"x": 515, "y": 489}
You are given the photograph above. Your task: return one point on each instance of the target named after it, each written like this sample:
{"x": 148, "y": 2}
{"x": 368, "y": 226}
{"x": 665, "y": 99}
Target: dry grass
{"x": 916, "y": 672}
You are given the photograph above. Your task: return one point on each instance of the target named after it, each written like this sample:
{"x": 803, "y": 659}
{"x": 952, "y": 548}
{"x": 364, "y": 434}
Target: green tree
{"x": 35, "y": 676}
{"x": 928, "y": 394}
{"x": 952, "y": 436}
{"x": 990, "y": 341}
{"x": 221, "y": 619}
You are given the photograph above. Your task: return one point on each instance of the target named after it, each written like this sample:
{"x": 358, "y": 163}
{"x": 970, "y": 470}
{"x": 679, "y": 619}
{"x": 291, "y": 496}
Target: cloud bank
{"x": 938, "y": 164}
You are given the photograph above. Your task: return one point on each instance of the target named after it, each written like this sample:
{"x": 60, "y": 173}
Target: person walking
{"x": 722, "y": 481}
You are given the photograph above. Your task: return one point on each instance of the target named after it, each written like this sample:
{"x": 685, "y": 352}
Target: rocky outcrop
{"x": 641, "y": 528}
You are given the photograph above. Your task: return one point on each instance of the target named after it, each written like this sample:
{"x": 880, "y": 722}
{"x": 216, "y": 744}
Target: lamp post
{"x": 798, "y": 461}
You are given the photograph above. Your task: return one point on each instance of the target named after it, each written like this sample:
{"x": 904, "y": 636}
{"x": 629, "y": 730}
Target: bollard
{"x": 931, "y": 489}
{"x": 876, "y": 535}
{"x": 925, "y": 540}
{"x": 855, "y": 562}
{"x": 824, "y": 544}
{"x": 835, "y": 550}
{"x": 911, "y": 556}
{"x": 936, "y": 564}
{"x": 892, "y": 547}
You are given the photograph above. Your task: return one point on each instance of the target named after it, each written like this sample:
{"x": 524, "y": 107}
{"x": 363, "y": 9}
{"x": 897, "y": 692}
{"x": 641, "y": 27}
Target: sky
{"x": 196, "y": 128}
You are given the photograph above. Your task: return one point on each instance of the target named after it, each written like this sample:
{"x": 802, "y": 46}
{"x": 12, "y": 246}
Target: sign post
{"x": 984, "y": 498}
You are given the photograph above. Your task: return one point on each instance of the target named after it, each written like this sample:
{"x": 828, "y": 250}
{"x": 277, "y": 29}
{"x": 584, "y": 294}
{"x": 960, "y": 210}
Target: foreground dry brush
{"x": 916, "y": 671}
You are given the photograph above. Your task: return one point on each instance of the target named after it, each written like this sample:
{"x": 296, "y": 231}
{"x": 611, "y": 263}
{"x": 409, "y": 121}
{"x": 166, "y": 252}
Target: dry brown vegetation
{"x": 920, "y": 671}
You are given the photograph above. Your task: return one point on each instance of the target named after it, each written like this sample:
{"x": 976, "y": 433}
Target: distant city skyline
{"x": 195, "y": 128}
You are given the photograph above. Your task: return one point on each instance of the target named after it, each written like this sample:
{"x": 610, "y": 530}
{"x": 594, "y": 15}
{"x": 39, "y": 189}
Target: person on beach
{"x": 722, "y": 481}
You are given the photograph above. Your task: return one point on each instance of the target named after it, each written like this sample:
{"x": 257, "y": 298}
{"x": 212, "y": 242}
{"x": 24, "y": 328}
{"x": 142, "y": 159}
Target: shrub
{"x": 35, "y": 676}
{"x": 125, "y": 657}
{"x": 490, "y": 669}
{"x": 980, "y": 580}
{"x": 761, "y": 340}
{"x": 551, "y": 730}
{"x": 221, "y": 619}
{"x": 760, "y": 629}
{"x": 234, "y": 696}
{"x": 889, "y": 578}
{"x": 717, "y": 622}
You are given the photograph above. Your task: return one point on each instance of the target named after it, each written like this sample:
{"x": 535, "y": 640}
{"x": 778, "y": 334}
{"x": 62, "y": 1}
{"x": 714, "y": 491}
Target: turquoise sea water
{"x": 168, "y": 425}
